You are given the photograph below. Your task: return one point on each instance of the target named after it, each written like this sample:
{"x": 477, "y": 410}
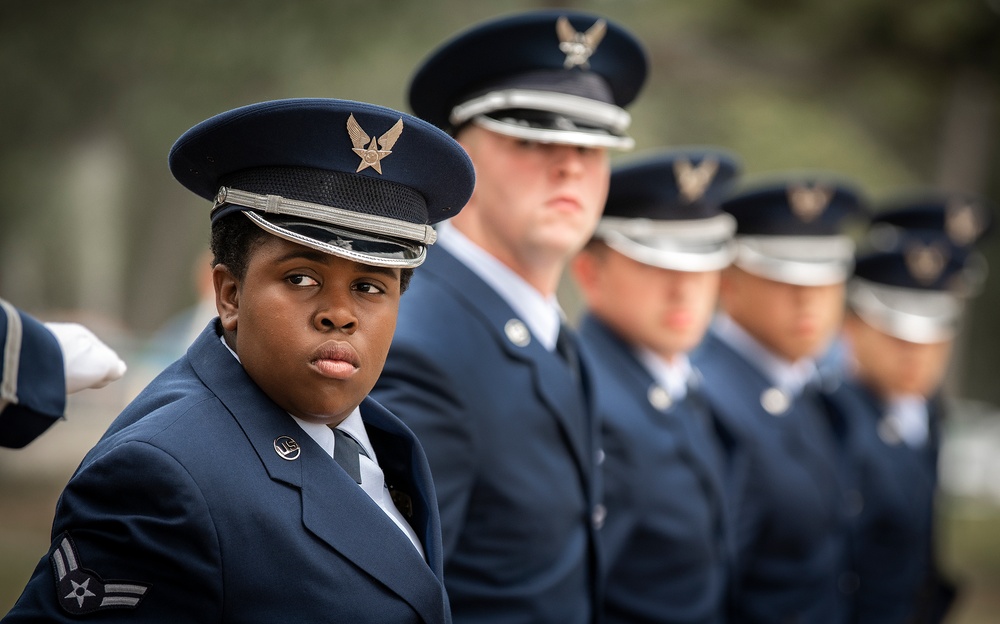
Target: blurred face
{"x": 665, "y": 311}
{"x": 792, "y": 321}
{"x": 311, "y": 329}
{"x": 892, "y": 367}
{"x": 535, "y": 204}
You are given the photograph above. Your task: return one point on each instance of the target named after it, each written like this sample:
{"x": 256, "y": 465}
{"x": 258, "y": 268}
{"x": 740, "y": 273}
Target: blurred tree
{"x": 891, "y": 93}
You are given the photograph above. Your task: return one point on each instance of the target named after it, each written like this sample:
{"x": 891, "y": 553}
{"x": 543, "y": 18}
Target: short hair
{"x": 234, "y": 239}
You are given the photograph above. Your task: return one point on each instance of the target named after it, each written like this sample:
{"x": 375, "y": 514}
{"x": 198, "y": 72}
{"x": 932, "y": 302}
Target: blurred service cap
{"x": 663, "y": 210}
{"x": 796, "y": 230}
{"x": 913, "y": 290}
{"x": 350, "y": 179}
{"x": 550, "y": 76}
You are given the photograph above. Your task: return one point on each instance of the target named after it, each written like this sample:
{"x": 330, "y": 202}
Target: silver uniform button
{"x": 775, "y": 401}
{"x": 287, "y": 448}
{"x": 599, "y": 514}
{"x": 517, "y": 332}
{"x": 599, "y": 457}
{"x": 659, "y": 398}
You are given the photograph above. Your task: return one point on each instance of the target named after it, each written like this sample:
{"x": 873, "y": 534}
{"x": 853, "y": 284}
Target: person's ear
{"x": 584, "y": 269}
{"x": 227, "y": 296}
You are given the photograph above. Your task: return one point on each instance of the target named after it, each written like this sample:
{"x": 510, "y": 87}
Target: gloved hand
{"x": 88, "y": 362}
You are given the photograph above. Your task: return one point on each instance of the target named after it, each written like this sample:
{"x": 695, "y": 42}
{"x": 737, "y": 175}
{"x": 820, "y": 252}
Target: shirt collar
{"x": 542, "y": 315}
{"x": 672, "y": 376}
{"x": 322, "y": 434}
{"x": 789, "y": 377}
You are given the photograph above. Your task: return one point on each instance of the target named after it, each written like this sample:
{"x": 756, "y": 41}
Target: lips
{"x": 337, "y": 360}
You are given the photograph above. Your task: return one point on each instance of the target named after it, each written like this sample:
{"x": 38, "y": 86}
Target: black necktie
{"x": 566, "y": 348}
{"x": 347, "y": 452}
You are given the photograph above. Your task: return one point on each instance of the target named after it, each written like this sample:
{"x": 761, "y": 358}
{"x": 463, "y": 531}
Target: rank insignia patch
{"x": 81, "y": 591}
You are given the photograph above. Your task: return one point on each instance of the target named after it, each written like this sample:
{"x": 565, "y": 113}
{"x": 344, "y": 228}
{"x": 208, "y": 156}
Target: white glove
{"x": 89, "y": 363}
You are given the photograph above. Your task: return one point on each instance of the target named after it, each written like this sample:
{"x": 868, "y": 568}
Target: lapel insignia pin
{"x": 693, "y": 181}
{"x": 925, "y": 262}
{"x": 809, "y": 202}
{"x": 287, "y": 448}
{"x": 371, "y": 151}
{"x": 579, "y": 46}
{"x": 517, "y": 332}
{"x": 83, "y": 591}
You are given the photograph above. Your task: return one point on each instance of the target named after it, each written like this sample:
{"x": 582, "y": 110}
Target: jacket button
{"x": 599, "y": 514}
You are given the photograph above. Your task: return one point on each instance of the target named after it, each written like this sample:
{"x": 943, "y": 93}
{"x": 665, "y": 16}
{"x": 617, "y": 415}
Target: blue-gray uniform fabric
{"x": 787, "y": 494}
{"x": 667, "y": 539}
{"x": 186, "y": 505}
{"x": 37, "y": 380}
{"x": 892, "y": 537}
{"x": 511, "y": 446}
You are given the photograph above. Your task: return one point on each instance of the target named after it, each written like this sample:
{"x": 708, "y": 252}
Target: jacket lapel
{"x": 553, "y": 382}
{"x": 334, "y": 508}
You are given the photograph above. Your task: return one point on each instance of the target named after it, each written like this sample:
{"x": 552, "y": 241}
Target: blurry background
{"x": 893, "y": 94}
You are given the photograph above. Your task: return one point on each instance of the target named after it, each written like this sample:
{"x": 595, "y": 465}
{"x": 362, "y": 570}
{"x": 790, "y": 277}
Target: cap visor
{"x": 351, "y": 244}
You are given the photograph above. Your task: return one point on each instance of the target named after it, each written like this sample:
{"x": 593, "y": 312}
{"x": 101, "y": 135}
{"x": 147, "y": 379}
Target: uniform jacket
{"x": 185, "y": 511}
{"x": 511, "y": 447}
{"x": 32, "y": 379}
{"x": 892, "y": 535}
{"x": 787, "y": 493}
{"x": 667, "y": 536}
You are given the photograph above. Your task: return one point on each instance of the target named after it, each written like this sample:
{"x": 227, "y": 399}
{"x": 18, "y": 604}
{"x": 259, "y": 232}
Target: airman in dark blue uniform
{"x": 650, "y": 280}
{"x": 254, "y": 480}
{"x": 479, "y": 367}
{"x": 781, "y": 304}
{"x": 905, "y": 301}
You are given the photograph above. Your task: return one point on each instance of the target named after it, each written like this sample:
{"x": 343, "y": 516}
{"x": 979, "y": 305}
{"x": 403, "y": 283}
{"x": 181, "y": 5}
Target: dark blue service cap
{"x": 913, "y": 290}
{"x": 964, "y": 219}
{"x": 351, "y": 179}
{"x": 663, "y": 209}
{"x": 795, "y": 230}
{"x": 554, "y": 76}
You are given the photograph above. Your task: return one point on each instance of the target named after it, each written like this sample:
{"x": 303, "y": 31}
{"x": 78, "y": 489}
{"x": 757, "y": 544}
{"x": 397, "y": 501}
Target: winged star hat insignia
{"x": 809, "y": 202}
{"x": 693, "y": 181}
{"x": 579, "y": 46}
{"x": 371, "y": 151}
{"x": 926, "y": 262}
{"x": 962, "y": 223}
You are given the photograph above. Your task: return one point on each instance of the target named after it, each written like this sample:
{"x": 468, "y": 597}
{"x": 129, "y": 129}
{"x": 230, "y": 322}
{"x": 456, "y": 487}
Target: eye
{"x": 301, "y": 280}
{"x": 369, "y": 288}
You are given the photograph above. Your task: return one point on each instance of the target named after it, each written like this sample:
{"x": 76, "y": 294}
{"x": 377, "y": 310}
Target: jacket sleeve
{"x": 132, "y": 539}
{"x": 32, "y": 379}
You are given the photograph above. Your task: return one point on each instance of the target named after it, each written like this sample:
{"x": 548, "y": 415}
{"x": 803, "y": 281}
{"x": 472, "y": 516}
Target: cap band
{"x": 800, "y": 260}
{"x": 560, "y": 137}
{"x": 921, "y": 317}
{"x": 275, "y": 204}
{"x": 599, "y": 113}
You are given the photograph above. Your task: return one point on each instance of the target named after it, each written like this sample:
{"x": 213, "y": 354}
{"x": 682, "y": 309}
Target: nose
{"x": 337, "y": 315}
{"x": 567, "y": 160}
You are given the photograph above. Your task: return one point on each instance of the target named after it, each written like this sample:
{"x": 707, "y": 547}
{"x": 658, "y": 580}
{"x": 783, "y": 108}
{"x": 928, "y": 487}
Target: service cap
{"x": 347, "y": 178}
{"x": 549, "y": 76}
